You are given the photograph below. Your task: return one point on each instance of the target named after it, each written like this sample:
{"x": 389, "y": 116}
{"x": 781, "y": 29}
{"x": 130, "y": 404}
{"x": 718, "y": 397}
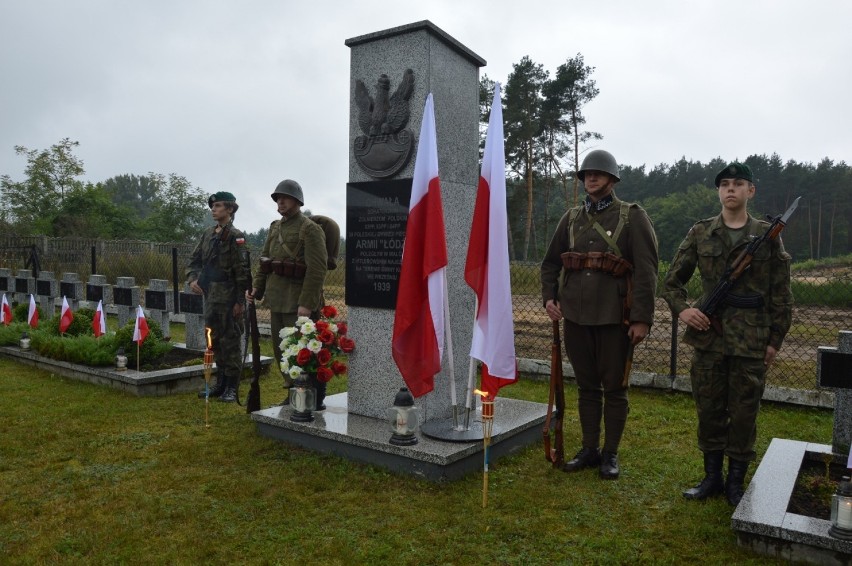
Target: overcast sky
{"x": 240, "y": 95}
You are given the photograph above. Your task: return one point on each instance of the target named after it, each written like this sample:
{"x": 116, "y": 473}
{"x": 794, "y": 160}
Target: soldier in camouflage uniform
{"x": 602, "y": 257}
{"x": 732, "y": 353}
{"x": 292, "y": 270}
{"x": 219, "y": 269}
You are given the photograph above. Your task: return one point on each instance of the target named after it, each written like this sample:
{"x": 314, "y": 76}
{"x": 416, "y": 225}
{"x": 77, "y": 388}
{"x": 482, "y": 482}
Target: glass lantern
{"x": 25, "y": 341}
{"x": 303, "y": 398}
{"x": 841, "y": 511}
{"x": 120, "y": 360}
{"x": 403, "y": 418}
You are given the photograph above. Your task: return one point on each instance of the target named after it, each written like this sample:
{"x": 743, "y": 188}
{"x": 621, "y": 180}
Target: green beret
{"x": 735, "y": 170}
{"x": 221, "y": 196}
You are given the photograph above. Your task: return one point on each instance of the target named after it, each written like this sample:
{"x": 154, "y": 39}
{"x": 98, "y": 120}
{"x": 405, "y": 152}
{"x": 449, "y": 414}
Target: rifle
{"x": 253, "y": 398}
{"x": 556, "y": 455}
{"x": 741, "y": 264}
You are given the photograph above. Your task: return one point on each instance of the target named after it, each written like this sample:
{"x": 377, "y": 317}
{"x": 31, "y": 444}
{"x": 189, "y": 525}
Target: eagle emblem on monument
{"x": 386, "y": 145}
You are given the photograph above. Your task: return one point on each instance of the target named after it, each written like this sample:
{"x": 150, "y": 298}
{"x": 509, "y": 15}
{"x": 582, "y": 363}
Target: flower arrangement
{"x": 316, "y": 347}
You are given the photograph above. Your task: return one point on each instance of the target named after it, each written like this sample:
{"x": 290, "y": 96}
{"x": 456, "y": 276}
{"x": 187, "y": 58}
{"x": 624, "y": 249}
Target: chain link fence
{"x": 823, "y": 300}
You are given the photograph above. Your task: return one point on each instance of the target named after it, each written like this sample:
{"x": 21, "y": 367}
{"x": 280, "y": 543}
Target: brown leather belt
{"x": 596, "y": 261}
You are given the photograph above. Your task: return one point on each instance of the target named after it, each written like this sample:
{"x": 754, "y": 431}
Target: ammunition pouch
{"x": 288, "y": 268}
{"x": 606, "y": 262}
{"x": 265, "y": 265}
{"x": 754, "y": 301}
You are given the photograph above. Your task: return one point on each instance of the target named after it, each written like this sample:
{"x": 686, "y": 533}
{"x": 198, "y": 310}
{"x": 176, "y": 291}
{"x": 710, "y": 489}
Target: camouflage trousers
{"x": 226, "y": 335}
{"x": 727, "y": 392}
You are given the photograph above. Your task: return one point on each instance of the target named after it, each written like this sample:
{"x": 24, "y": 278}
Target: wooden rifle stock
{"x": 556, "y": 454}
{"x": 253, "y": 399}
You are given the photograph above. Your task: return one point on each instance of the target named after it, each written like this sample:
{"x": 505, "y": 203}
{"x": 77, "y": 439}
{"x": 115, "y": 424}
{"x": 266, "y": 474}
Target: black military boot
{"x": 216, "y": 390}
{"x": 736, "y": 477}
{"x": 230, "y": 393}
{"x": 713, "y": 484}
{"x": 585, "y": 458}
{"x": 609, "y": 466}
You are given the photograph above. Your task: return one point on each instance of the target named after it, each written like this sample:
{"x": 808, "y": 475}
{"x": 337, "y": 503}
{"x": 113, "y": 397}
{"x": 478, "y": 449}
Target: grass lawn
{"x": 91, "y": 475}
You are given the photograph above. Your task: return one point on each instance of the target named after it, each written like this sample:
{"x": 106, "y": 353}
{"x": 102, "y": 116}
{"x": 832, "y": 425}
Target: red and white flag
{"x": 32, "y": 313}
{"x": 99, "y": 321}
{"x": 65, "y": 317}
{"x": 487, "y": 267}
{"x": 419, "y": 324}
{"x": 140, "y": 331}
{"x": 5, "y": 312}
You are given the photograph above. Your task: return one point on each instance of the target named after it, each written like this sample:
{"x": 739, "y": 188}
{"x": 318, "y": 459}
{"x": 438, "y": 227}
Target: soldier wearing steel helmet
{"x": 293, "y": 265}
{"x": 729, "y": 364}
{"x": 219, "y": 269}
{"x": 599, "y": 275}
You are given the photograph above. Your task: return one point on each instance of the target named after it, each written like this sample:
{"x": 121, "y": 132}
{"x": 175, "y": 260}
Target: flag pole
{"x": 137, "y": 356}
{"x": 470, "y": 379}
{"x": 450, "y": 362}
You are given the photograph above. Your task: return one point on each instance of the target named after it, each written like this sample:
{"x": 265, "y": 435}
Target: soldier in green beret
{"x": 730, "y": 359}
{"x": 599, "y": 274}
{"x": 292, "y": 270}
{"x": 219, "y": 270}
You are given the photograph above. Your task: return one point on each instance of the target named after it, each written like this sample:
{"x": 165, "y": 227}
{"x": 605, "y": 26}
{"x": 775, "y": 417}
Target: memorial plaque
{"x": 376, "y": 216}
{"x": 4, "y": 284}
{"x": 155, "y": 300}
{"x": 21, "y": 285}
{"x": 190, "y": 303}
{"x": 123, "y": 296}
{"x": 66, "y": 289}
{"x": 94, "y": 293}
{"x": 835, "y": 369}
{"x": 43, "y": 288}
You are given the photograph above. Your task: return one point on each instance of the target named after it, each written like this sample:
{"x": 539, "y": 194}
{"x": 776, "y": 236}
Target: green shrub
{"x": 21, "y": 310}
{"x": 152, "y": 348}
{"x": 81, "y": 324}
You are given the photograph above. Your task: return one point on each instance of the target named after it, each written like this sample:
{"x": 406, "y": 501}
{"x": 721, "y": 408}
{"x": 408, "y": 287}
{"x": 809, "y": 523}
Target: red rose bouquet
{"x": 316, "y": 347}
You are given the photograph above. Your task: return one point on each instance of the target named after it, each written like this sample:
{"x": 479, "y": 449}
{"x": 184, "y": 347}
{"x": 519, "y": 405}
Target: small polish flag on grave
{"x": 6, "y": 312}
{"x": 32, "y": 314}
{"x": 140, "y": 331}
{"x": 66, "y": 317}
{"x": 99, "y": 321}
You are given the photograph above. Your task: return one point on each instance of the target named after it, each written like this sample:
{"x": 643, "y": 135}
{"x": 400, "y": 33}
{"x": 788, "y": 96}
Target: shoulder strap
{"x": 572, "y": 217}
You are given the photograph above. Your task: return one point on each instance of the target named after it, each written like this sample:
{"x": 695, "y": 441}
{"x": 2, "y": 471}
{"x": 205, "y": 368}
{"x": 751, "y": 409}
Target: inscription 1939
{"x": 377, "y": 213}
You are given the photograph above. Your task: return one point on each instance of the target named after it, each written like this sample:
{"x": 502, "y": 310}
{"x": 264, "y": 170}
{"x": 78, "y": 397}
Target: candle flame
{"x": 209, "y": 332}
{"x": 483, "y": 394}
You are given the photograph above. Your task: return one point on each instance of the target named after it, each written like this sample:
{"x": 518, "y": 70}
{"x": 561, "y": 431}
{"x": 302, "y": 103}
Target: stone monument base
{"x": 517, "y": 424}
{"x": 761, "y": 520}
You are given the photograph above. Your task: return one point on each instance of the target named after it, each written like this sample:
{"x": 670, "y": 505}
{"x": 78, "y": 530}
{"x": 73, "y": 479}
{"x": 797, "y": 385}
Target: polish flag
{"x": 419, "y": 325}
{"x": 487, "y": 267}
{"x": 32, "y": 313}
{"x": 140, "y": 331}
{"x": 99, "y": 321}
{"x": 5, "y": 312}
{"x": 66, "y": 316}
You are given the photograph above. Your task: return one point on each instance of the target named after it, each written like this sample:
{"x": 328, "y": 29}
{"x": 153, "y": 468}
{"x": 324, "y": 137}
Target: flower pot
{"x": 302, "y": 400}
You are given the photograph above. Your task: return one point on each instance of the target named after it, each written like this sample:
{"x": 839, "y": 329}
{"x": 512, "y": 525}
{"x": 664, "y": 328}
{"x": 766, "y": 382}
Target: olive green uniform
{"x": 300, "y": 239}
{"x": 592, "y": 303}
{"x": 220, "y": 263}
{"x": 728, "y": 371}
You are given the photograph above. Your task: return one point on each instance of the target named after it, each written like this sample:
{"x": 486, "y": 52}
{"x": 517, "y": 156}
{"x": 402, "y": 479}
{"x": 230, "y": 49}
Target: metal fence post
{"x": 673, "y": 351}
{"x": 175, "y": 280}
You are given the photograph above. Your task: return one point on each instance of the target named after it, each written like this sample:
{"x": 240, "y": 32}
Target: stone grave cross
{"x": 834, "y": 369}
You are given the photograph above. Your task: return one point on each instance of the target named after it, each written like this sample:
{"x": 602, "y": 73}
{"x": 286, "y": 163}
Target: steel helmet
{"x": 289, "y": 188}
{"x": 599, "y": 160}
